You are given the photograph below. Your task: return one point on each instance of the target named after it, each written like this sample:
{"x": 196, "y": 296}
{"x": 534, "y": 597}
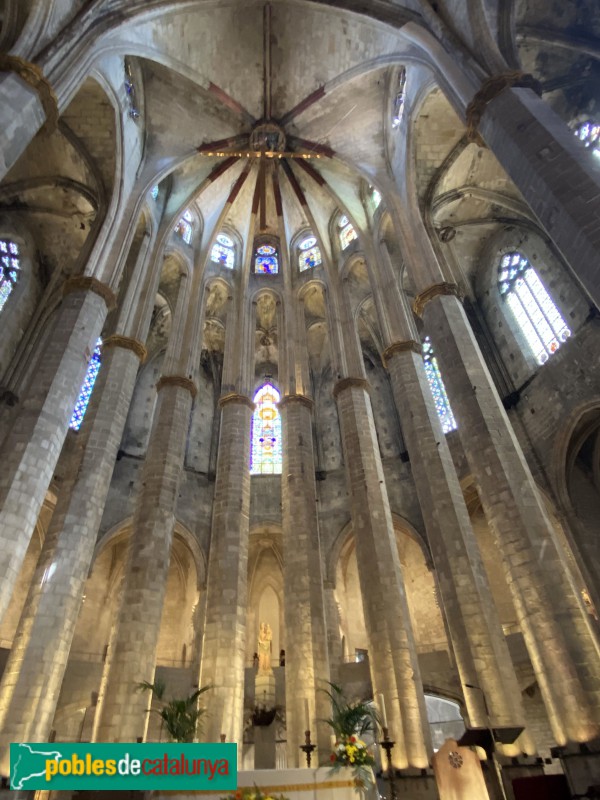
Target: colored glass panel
{"x": 375, "y": 198}
{"x": 438, "y": 390}
{"x": 266, "y": 448}
{"x": 154, "y": 192}
{"x": 86, "y": 390}
{"x": 398, "y": 105}
{"x": 347, "y": 235}
{"x": 223, "y": 239}
{"x": 310, "y": 258}
{"x": 266, "y": 261}
{"x": 589, "y": 133}
{"x": 307, "y": 243}
{"x": 538, "y": 317}
{"x": 9, "y": 269}
{"x": 222, "y": 255}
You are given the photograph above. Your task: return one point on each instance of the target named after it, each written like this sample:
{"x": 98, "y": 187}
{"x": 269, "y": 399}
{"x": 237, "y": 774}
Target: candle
{"x": 333, "y": 740}
{"x": 381, "y": 703}
{"x": 306, "y": 715}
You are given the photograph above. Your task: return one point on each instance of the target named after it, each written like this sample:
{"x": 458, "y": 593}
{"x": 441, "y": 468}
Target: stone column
{"x": 133, "y": 649}
{"x": 477, "y": 638}
{"x": 33, "y": 677}
{"x": 334, "y": 641}
{"x": 306, "y": 657}
{"x": 224, "y": 646}
{"x": 31, "y": 449}
{"x": 392, "y": 651}
{"x": 561, "y": 645}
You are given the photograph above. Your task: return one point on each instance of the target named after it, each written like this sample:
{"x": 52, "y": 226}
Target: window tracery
{"x": 346, "y": 232}
{"x": 310, "y": 254}
{"x": 10, "y": 267}
{"x": 538, "y": 317}
{"x": 223, "y": 251}
{"x": 438, "y": 390}
{"x": 265, "y": 260}
{"x": 184, "y": 228}
{"x": 266, "y": 456}
{"x": 87, "y": 388}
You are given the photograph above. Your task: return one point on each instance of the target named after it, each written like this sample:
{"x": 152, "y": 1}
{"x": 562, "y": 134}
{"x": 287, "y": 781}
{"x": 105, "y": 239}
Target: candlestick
{"x": 381, "y": 703}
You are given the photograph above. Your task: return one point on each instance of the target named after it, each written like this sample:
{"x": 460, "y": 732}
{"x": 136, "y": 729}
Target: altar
{"x": 295, "y": 784}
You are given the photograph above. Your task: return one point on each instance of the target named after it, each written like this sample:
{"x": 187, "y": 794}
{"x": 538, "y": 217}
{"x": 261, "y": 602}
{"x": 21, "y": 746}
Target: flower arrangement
{"x": 253, "y": 794}
{"x": 350, "y": 751}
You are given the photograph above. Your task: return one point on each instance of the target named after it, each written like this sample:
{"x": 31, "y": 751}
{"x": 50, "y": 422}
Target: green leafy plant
{"x": 253, "y": 794}
{"x": 350, "y": 718}
{"x": 349, "y": 722}
{"x": 180, "y": 718}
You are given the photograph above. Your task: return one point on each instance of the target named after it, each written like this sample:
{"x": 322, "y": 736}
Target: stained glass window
{"x": 154, "y": 192}
{"x": 538, "y": 317}
{"x": 265, "y": 260}
{"x": 398, "y": 106}
{"x": 184, "y": 229}
{"x": 265, "y": 449}
{"x": 223, "y": 251}
{"x": 347, "y": 232}
{"x": 375, "y": 198}
{"x": 86, "y": 390}
{"x": 9, "y": 269}
{"x": 438, "y": 390}
{"x": 589, "y": 133}
{"x": 310, "y": 254}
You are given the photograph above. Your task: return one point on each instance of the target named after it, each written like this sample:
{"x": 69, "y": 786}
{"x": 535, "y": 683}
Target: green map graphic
{"x": 29, "y": 764}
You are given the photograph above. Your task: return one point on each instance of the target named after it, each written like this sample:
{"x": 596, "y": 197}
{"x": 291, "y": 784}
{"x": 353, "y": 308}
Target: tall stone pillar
{"x": 392, "y": 651}
{"x": 132, "y": 654}
{"x": 31, "y": 448}
{"x": 33, "y": 676}
{"x": 306, "y": 657}
{"x": 477, "y": 638}
{"x": 563, "y": 650}
{"x": 224, "y": 645}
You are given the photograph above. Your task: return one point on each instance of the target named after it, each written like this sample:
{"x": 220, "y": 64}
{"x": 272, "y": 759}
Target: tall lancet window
{"x": 86, "y": 390}
{"x": 9, "y": 269}
{"x": 223, "y": 251}
{"x": 265, "y": 446}
{"x": 265, "y": 260}
{"x": 184, "y": 228}
{"x": 310, "y": 254}
{"x": 538, "y": 317}
{"x": 347, "y": 233}
{"x": 438, "y": 390}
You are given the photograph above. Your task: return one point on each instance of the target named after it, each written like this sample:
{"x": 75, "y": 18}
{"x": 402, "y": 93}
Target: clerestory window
{"x": 265, "y": 446}
{"x": 10, "y": 267}
{"x": 310, "y": 254}
{"x": 86, "y": 390}
{"x": 438, "y": 390}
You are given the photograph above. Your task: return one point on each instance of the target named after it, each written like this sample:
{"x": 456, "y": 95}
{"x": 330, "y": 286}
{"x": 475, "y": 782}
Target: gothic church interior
{"x": 299, "y": 312}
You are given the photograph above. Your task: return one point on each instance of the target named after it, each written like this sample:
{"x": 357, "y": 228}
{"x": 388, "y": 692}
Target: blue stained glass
{"x": 438, "y": 390}
{"x": 347, "y": 233}
{"x": 310, "y": 258}
{"x": 154, "y": 192}
{"x": 86, "y": 390}
{"x": 222, "y": 255}
{"x": 266, "y": 264}
{"x": 9, "y": 269}
{"x": 266, "y": 456}
{"x": 589, "y": 133}
{"x": 538, "y": 317}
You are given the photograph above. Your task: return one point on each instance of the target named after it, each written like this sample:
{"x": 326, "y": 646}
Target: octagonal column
{"x": 31, "y": 448}
{"x": 306, "y": 658}
{"x": 224, "y": 645}
{"x": 563, "y": 650}
{"x": 392, "y": 651}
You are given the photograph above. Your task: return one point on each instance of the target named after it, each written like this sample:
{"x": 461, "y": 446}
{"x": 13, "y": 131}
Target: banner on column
{"x": 56, "y": 766}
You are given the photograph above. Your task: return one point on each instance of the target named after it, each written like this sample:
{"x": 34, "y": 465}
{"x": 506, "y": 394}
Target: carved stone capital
{"x": 437, "y": 290}
{"x": 400, "y": 347}
{"x": 83, "y": 283}
{"x": 349, "y": 383}
{"x": 233, "y": 397}
{"x": 301, "y": 399}
{"x": 33, "y": 75}
{"x": 177, "y": 380}
{"x": 126, "y": 343}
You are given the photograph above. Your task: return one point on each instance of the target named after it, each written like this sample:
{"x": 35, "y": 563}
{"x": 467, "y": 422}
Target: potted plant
{"x": 350, "y": 721}
{"x": 180, "y": 718}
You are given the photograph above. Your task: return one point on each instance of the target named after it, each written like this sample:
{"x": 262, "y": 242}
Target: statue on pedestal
{"x": 265, "y": 638}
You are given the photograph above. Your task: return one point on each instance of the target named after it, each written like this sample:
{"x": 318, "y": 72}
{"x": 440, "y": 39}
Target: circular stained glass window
{"x": 265, "y": 250}
{"x": 308, "y": 243}
{"x": 343, "y": 221}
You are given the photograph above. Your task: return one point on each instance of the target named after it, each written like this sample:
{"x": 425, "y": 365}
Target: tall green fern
{"x": 180, "y": 718}
{"x": 350, "y": 719}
